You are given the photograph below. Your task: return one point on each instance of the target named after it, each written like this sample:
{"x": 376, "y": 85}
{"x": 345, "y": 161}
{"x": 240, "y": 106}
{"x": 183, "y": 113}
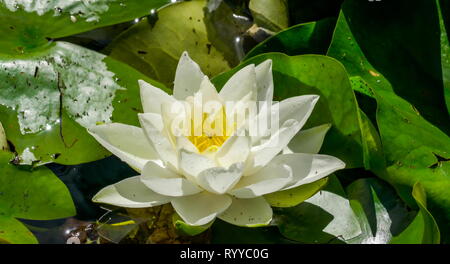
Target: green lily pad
{"x": 271, "y": 14}
{"x": 324, "y": 76}
{"x": 415, "y": 149}
{"x": 324, "y": 218}
{"x": 307, "y": 38}
{"x": 375, "y": 43}
{"x": 384, "y": 218}
{"x": 186, "y": 229}
{"x": 26, "y": 25}
{"x": 444, "y": 8}
{"x": 49, "y": 98}
{"x": 424, "y": 229}
{"x": 295, "y": 196}
{"x": 369, "y": 212}
{"x": 34, "y": 195}
{"x": 154, "y": 48}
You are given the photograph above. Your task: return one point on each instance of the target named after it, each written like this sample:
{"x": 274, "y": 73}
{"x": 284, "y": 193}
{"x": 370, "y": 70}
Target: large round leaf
{"x": 415, "y": 150}
{"x": 324, "y": 218}
{"x": 307, "y": 38}
{"x": 49, "y": 98}
{"x": 27, "y": 24}
{"x": 369, "y": 212}
{"x": 271, "y": 14}
{"x": 35, "y": 195}
{"x": 155, "y": 48}
{"x": 384, "y": 218}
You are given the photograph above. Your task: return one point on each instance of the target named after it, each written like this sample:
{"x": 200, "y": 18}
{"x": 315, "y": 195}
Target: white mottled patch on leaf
{"x": 27, "y": 157}
{"x": 87, "y": 9}
{"x": 31, "y": 88}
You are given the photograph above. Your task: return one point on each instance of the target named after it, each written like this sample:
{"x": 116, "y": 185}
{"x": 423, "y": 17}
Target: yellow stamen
{"x": 210, "y": 141}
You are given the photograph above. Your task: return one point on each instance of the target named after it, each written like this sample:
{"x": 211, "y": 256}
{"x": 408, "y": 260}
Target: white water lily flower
{"x": 207, "y": 175}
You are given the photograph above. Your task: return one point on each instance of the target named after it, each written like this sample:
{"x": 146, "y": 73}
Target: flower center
{"x": 213, "y": 132}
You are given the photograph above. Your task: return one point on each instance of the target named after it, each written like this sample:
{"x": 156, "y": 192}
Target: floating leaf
{"x": 424, "y": 229}
{"x": 26, "y": 25}
{"x": 324, "y": 218}
{"x": 47, "y": 101}
{"x": 308, "y": 38}
{"x": 186, "y": 229}
{"x": 295, "y": 196}
{"x": 34, "y": 195}
{"x": 271, "y": 14}
{"x": 155, "y": 48}
{"x": 415, "y": 150}
{"x": 384, "y": 218}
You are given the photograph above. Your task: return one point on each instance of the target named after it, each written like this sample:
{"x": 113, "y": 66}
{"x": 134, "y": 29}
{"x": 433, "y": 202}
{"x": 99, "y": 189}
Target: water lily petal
{"x": 165, "y": 182}
{"x": 262, "y": 154}
{"x": 183, "y": 143}
{"x": 298, "y": 108}
{"x": 208, "y": 91}
{"x": 220, "y": 180}
{"x": 240, "y": 84}
{"x": 308, "y": 140}
{"x": 202, "y": 208}
{"x": 235, "y": 149}
{"x": 126, "y": 142}
{"x": 130, "y": 193}
{"x": 152, "y": 98}
{"x": 308, "y": 168}
{"x": 188, "y": 77}
{"x": 271, "y": 178}
{"x": 153, "y": 127}
{"x": 191, "y": 164}
{"x": 248, "y": 212}
{"x": 264, "y": 79}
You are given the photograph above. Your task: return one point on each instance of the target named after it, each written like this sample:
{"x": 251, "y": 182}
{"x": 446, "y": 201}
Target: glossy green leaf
{"x": 48, "y": 99}
{"x": 324, "y": 76}
{"x": 324, "y": 218}
{"x": 271, "y": 14}
{"x": 375, "y": 43}
{"x": 12, "y": 231}
{"x": 35, "y": 195}
{"x": 26, "y": 25}
{"x": 295, "y": 196}
{"x": 384, "y": 218}
{"x": 415, "y": 150}
{"x": 424, "y": 229}
{"x": 308, "y": 38}
{"x": 186, "y": 229}
{"x": 444, "y": 9}
{"x": 373, "y": 154}
{"x": 155, "y": 48}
